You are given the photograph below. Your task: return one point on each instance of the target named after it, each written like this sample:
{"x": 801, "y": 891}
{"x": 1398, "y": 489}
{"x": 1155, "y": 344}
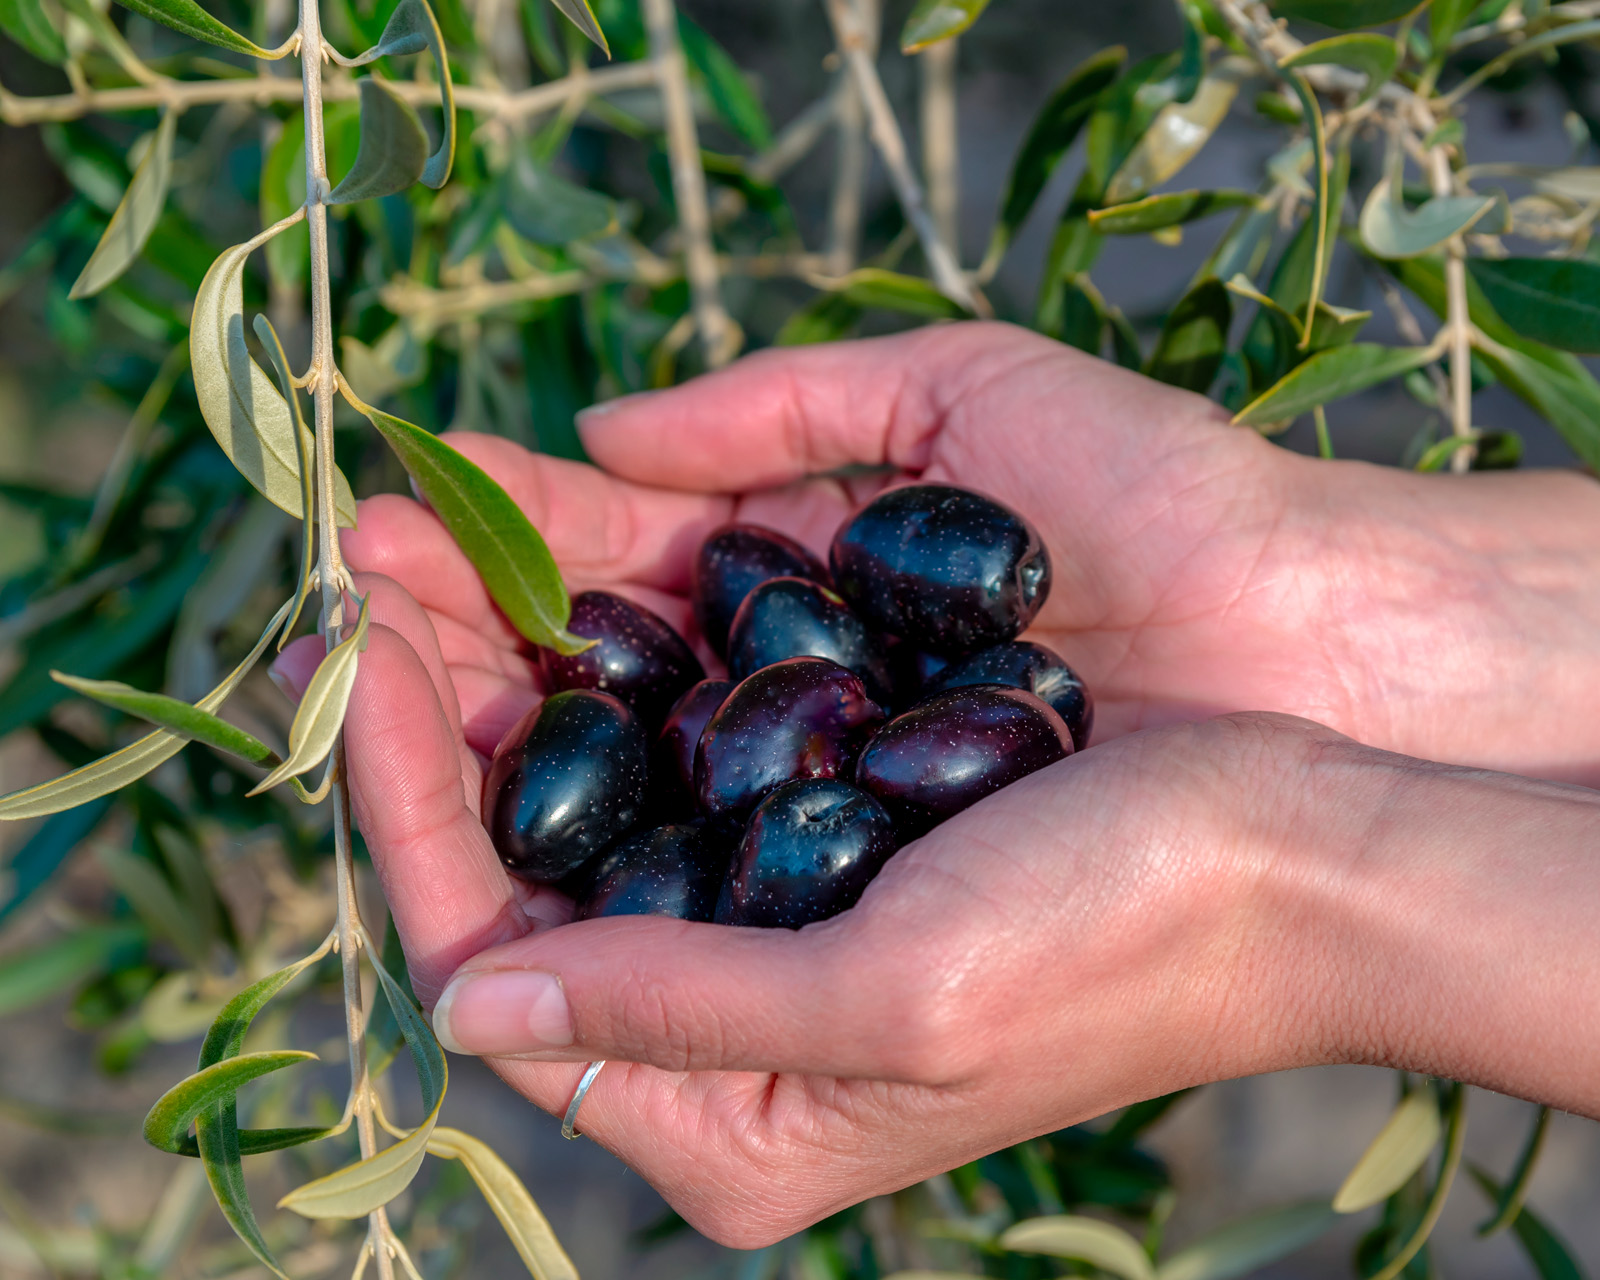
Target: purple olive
{"x": 569, "y": 781}
{"x": 795, "y": 618}
{"x": 733, "y": 562}
{"x": 800, "y": 718}
{"x": 914, "y": 671}
{"x": 640, "y": 658}
{"x": 671, "y": 871}
{"x": 672, "y": 769}
{"x": 809, "y": 852}
{"x": 1025, "y": 665}
{"x": 955, "y": 748}
{"x": 949, "y": 570}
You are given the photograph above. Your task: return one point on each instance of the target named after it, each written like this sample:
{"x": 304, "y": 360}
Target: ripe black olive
{"x": 1025, "y": 665}
{"x": 795, "y": 618}
{"x": 569, "y": 781}
{"x": 947, "y": 569}
{"x": 800, "y": 718}
{"x": 671, "y": 871}
{"x": 809, "y": 852}
{"x": 955, "y": 748}
{"x": 672, "y": 768}
{"x": 640, "y": 658}
{"x": 733, "y": 562}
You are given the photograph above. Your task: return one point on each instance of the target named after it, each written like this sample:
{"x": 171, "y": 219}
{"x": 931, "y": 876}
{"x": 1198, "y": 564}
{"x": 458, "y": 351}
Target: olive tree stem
{"x": 1457, "y": 319}
{"x": 941, "y": 154}
{"x": 851, "y": 156}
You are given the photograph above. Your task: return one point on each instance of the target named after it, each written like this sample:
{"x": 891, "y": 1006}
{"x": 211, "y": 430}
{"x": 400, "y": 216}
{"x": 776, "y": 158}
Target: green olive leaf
{"x": 1374, "y": 55}
{"x": 1508, "y": 1204}
{"x": 1407, "y": 1138}
{"x": 826, "y": 318}
{"x": 726, "y": 86}
{"x": 935, "y": 20}
{"x": 892, "y": 291}
{"x": 188, "y": 18}
{"x": 26, "y": 22}
{"x": 1390, "y": 230}
{"x": 167, "y": 1124}
{"x": 1555, "y": 301}
{"x": 488, "y": 526}
{"x": 580, "y": 15}
{"x": 1175, "y": 208}
{"x": 1084, "y": 1240}
{"x": 530, "y": 1232}
{"x": 411, "y": 29}
{"x": 1328, "y": 375}
{"x": 1345, "y": 15}
{"x": 320, "y": 715}
{"x": 1175, "y": 137}
{"x": 268, "y": 337}
{"x": 171, "y": 713}
{"x": 1551, "y": 1258}
{"x": 1194, "y": 339}
{"x": 393, "y": 151}
{"x": 1333, "y": 326}
{"x": 30, "y": 977}
{"x": 545, "y": 208}
{"x": 1245, "y": 1246}
{"x": 248, "y": 417}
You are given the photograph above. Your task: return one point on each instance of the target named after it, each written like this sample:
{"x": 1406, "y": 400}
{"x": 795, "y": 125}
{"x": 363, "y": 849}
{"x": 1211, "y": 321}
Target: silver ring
{"x": 571, "y": 1118}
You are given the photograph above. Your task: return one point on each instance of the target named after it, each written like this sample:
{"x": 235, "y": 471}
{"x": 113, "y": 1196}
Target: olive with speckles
{"x": 796, "y": 618}
{"x": 672, "y": 768}
{"x": 953, "y": 749}
{"x": 675, "y": 870}
{"x": 639, "y": 657}
{"x": 810, "y": 850}
{"x": 568, "y": 782}
{"x": 1025, "y": 665}
{"x": 947, "y": 569}
{"x": 733, "y": 561}
{"x": 799, "y": 718}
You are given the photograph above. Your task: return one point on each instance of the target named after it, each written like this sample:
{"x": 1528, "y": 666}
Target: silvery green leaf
{"x": 31, "y": 976}
{"x": 135, "y": 217}
{"x": 545, "y": 208}
{"x": 1333, "y": 326}
{"x": 26, "y": 22}
{"x": 248, "y": 417}
{"x": 1242, "y": 1247}
{"x": 411, "y": 29}
{"x": 935, "y": 20}
{"x": 530, "y": 1232}
{"x": 1406, "y": 1140}
{"x": 582, "y": 16}
{"x": 1374, "y": 55}
{"x": 393, "y": 151}
{"x": 320, "y": 715}
{"x": 1329, "y": 375}
{"x": 1175, "y": 136}
{"x": 1390, "y": 230}
{"x": 188, "y": 18}
{"x": 1084, "y": 1240}
{"x": 268, "y": 337}
{"x": 170, "y": 713}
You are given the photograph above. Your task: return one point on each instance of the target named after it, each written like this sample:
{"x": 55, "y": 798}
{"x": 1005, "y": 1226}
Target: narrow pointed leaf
{"x": 1345, "y": 15}
{"x": 1333, "y": 326}
{"x": 393, "y": 151}
{"x": 1053, "y": 131}
{"x": 1508, "y": 1204}
{"x": 25, "y": 22}
{"x": 528, "y": 1229}
{"x": 1550, "y": 1257}
{"x": 1084, "y": 1240}
{"x": 1402, "y": 1145}
{"x": 935, "y": 20}
{"x": 725, "y": 83}
{"x": 489, "y": 527}
{"x": 1243, "y": 1247}
{"x": 135, "y": 217}
{"x": 411, "y": 29}
{"x": 248, "y": 417}
{"x": 893, "y": 291}
{"x": 1551, "y": 300}
{"x": 268, "y": 337}
{"x": 1155, "y": 213}
{"x": 1328, "y": 375}
{"x": 1330, "y": 196}
{"x": 188, "y": 18}
{"x": 29, "y": 977}
{"x": 320, "y": 715}
{"x": 1374, "y": 55}
{"x": 115, "y": 771}
{"x": 1173, "y": 139}
{"x": 1390, "y": 230}
{"x": 580, "y": 15}
{"x": 171, "y": 713}
{"x": 167, "y": 1124}
{"x": 1194, "y": 339}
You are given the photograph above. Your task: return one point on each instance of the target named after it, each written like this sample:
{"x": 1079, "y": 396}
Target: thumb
{"x": 829, "y": 1000}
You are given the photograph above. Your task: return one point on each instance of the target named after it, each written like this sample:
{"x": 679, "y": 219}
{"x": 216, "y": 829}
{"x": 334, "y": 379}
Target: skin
{"x": 1220, "y": 887}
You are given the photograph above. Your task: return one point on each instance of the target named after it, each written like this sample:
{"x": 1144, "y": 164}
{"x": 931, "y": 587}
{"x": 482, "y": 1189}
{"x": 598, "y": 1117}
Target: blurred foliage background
{"x": 545, "y": 276}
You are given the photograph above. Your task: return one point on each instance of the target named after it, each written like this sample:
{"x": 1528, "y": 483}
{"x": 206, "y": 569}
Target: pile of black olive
{"x": 867, "y": 701}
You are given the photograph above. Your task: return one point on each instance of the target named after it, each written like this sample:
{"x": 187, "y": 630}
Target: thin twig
{"x": 891, "y": 145}
{"x": 851, "y": 155}
{"x": 941, "y": 160}
{"x": 718, "y": 333}
{"x": 1457, "y": 320}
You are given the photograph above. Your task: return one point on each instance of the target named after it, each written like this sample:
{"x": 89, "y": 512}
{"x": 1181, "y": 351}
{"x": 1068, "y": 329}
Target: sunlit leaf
{"x": 1174, "y": 138}
{"x": 268, "y": 337}
{"x": 393, "y": 150}
{"x": 1173, "y": 209}
{"x": 320, "y": 715}
{"x": 530, "y": 1232}
{"x": 411, "y": 29}
{"x": 1328, "y": 375}
{"x": 25, "y": 22}
{"x": 167, "y": 1124}
{"x": 1084, "y": 1240}
{"x": 1346, "y": 14}
{"x": 1374, "y": 55}
{"x": 1390, "y": 230}
{"x": 1194, "y": 339}
{"x": 545, "y": 208}
{"x": 1242, "y": 1247}
{"x": 935, "y": 20}
{"x": 35, "y": 975}
{"x": 1551, "y": 1258}
{"x": 170, "y": 713}
{"x": 135, "y": 217}
{"x": 1551, "y": 300}
{"x": 1402, "y": 1145}
{"x": 489, "y": 527}
{"x": 188, "y": 18}
{"x": 248, "y": 417}
{"x": 582, "y": 16}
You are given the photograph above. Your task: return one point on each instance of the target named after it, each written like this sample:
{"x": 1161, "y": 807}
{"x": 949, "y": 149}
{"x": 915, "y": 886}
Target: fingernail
{"x": 503, "y": 1011}
{"x": 595, "y": 412}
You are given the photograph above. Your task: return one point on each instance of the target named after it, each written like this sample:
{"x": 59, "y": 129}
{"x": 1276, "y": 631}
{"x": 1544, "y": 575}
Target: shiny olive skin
{"x": 569, "y": 781}
{"x": 953, "y": 749}
{"x": 796, "y": 618}
{"x": 640, "y": 658}
{"x": 733, "y": 561}
{"x": 809, "y": 852}
{"x": 1025, "y": 665}
{"x": 947, "y": 569}
{"x": 800, "y": 718}
{"x": 675, "y": 871}
{"x": 672, "y": 767}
